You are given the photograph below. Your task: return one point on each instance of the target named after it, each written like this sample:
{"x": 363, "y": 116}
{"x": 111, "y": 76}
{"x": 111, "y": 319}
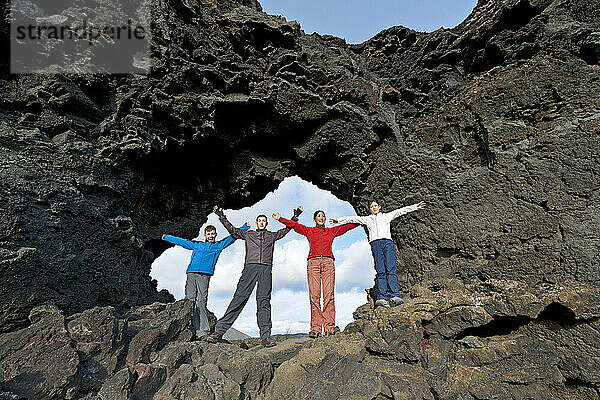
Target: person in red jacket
{"x": 320, "y": 270}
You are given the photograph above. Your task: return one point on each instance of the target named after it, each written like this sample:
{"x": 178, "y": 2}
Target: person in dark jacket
{"x": 201, "y": 267}
{"x": 320, "y": 271}
{"x": 260, "y": 244}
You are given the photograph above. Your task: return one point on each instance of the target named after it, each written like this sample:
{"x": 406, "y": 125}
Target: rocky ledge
{"x": 496, "y": 340}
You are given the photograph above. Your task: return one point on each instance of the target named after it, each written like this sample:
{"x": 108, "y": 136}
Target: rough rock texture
{"x": 99, "y": 337}
{"x": 55, "y": 358}
{"x": 40, "y": 361}
{"x": 494, "y": 340}
{"x": 493, "y": 123}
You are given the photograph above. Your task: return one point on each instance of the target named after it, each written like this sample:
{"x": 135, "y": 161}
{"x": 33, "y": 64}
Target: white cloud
{"x": 354, "y": 266}
{"x": 290, "y": 307}
{"x": 169, "y": 270}
{"x": 289, "y": 264}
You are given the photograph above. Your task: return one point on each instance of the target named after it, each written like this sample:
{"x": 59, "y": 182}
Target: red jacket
{"x": 319, "y": 237}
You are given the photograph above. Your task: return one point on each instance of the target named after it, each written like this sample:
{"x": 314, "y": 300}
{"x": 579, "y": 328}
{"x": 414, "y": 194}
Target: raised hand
{"x": 333, "y": 221}
{"x": 298, "y": 211}
{"x": 218, "y": 211}
{"x": 276, "y": 216}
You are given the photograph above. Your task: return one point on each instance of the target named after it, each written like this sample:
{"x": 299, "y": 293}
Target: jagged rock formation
{"x": 494, "y": 123}
{"x": 492, "y": 340}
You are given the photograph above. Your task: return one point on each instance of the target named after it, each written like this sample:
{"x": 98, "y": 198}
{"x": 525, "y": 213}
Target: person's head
{"x": 261, "y": 221}
{"x": 210, "y": 233}
{"x": 374, "y": 207}
{"x": 319, "y": 217}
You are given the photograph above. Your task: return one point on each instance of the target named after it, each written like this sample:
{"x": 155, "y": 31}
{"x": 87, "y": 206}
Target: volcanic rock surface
{"x": 494, "y": 123}
{"x": 494, "y": 340}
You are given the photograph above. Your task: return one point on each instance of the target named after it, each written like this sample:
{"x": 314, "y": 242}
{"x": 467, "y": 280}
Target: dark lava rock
{"x": 253, "y": 370}
{"x": 152, "y": 327}
{"x": 150, "y": 378}
{"x": 99, "y": 337}
{"x": 493, "y": 123}
{"x": 186, "y": 383}
{"x": 40, "y": 362}
{"x": 118, "y": 386}
{"x": 497, "y": 339}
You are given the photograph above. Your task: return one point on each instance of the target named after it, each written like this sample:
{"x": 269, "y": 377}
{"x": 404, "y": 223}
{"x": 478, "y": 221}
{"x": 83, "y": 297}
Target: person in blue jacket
{"x": 202, "y": 266}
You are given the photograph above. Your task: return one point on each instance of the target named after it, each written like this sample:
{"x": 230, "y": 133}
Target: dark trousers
{"x": 384, "y": 255}
{"x": 251, "y": 274}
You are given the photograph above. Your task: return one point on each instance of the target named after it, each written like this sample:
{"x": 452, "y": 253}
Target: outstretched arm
{"x": 301, "y": 229}
{"x": 340, "y": 230}
{"x": 282, "y": 232}
{"x": 349, "y": 220}
{"x": 405, "y": 210}
{"x": 237, "y": 233}
{"x": 293, "y": 223}
{"x": 230, "y": 239}
{"x": 186, "y": 244}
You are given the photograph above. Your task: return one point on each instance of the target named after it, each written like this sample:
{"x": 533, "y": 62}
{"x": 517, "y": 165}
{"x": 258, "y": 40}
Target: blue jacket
{"x": 205, "y": 254}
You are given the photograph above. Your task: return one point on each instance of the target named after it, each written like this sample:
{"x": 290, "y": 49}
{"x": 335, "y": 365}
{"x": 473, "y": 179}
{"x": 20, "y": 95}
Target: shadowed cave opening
{"x": 290, "y": 305}
{"x": 505, "y": 325}
{"x": 499, "y": 326}
{"x": 558, "y": 313}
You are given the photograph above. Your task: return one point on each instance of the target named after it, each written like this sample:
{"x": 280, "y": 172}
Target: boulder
{"x": 186, "y": 383}
{"x": 149, "y": 378}
{"x": 40, "y": 361}
{"x": 99, "y": 337}
{"x": 152, "y": 327}
{"x": 252, "y": 370}
{"x": 118, "y": 386}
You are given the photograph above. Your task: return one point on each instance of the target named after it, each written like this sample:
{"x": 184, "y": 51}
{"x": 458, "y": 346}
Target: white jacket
{"x": 378, "y": 224}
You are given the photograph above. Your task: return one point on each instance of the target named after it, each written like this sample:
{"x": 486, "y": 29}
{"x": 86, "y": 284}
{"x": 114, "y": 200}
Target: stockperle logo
{"x": 80, "y": 36}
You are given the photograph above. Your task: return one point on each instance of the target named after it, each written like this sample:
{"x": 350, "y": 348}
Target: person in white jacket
{"x": 383, "y": 248}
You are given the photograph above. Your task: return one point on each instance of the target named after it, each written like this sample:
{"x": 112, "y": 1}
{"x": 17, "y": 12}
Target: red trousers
{"x": 321, "y": 273}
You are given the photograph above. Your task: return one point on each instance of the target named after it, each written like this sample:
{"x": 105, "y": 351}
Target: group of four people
{"x": 257, "y": 271}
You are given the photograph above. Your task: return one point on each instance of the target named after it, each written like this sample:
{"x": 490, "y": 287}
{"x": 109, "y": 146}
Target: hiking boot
{"x": 268, "y": 342}
{"x": 396, "y": 301}
{"x": 382, "y": 303}
{"x": 333, "y": 332}
{"x": 313, "y": 334}
{"x": 214, "y": 338}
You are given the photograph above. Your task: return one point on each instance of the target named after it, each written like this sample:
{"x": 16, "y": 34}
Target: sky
{"x": 359, "y": 20}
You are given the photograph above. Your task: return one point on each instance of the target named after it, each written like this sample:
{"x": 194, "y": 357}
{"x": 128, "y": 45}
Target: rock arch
{"x": 491, "y": 122}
